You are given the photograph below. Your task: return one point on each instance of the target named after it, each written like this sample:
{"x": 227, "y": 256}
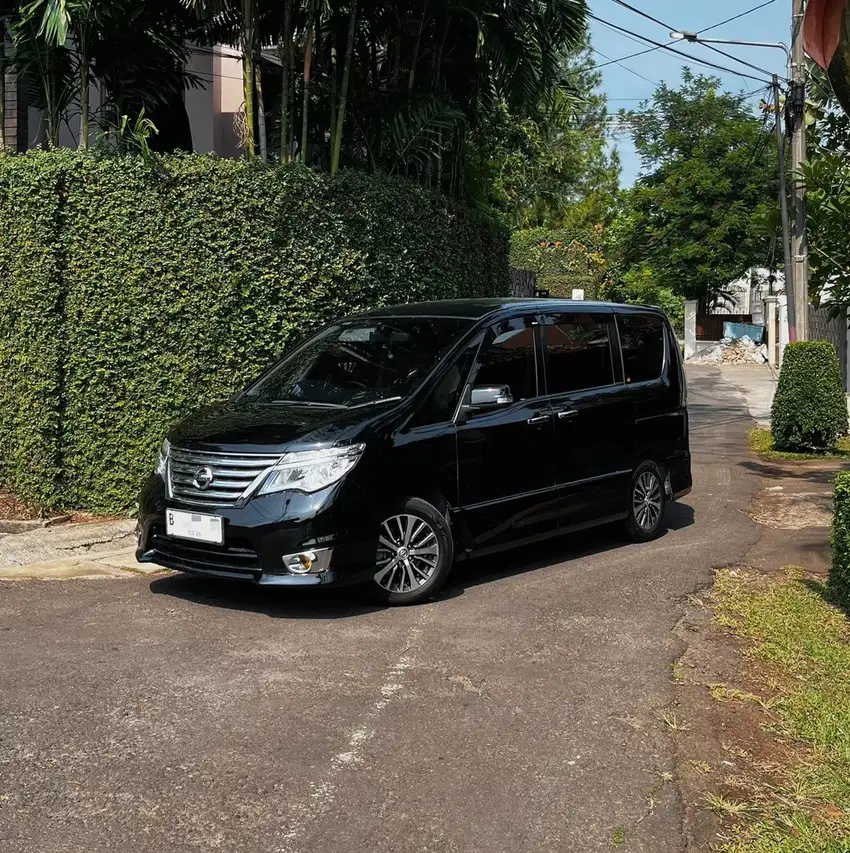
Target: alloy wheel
{"x": 646, "y": 501}
{"x": 408, "y": 553}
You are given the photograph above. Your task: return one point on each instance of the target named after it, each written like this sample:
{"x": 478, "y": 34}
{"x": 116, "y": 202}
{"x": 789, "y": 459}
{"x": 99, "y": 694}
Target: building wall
{"x": 228, "y": 101}
{"x": 211, "y": 107}
{"x": 200, "y": 102}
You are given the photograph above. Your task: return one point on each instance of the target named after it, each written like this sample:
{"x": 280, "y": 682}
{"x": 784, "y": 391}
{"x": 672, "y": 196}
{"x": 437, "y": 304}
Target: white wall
{"x": 200, "y": 102}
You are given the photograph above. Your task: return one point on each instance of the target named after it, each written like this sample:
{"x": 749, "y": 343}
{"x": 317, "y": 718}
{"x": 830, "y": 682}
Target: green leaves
{"x": 810, "y": 407}
{"x": 696, "y": 215}
{"x": 839, "y": 573}
{"x": 132, "y": 292}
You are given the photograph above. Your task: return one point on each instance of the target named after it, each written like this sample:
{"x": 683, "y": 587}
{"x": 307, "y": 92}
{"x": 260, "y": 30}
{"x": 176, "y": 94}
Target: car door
{"x": 594, "y": 417}
{"x": 506, "y": 473}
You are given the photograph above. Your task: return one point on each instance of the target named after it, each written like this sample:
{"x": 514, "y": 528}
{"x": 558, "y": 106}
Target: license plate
{"x": 192, "y": 525}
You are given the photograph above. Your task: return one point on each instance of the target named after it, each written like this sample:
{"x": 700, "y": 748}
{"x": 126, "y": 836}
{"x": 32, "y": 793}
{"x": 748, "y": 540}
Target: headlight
{"x": 162, "y": 462}
{"x": 311, "y": 470}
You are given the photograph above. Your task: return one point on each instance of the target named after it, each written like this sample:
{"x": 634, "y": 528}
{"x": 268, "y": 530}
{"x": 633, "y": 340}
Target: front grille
{"x": 232, "y": 474}
{"x": 234, "y": 557}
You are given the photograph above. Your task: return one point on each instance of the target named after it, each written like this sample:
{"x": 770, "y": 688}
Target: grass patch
{"x": 761, "y": 442}
{"x": 790, "y": 625}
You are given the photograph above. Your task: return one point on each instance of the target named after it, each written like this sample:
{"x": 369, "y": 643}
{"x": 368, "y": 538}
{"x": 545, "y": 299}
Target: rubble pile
{"x": 743, "y": 350}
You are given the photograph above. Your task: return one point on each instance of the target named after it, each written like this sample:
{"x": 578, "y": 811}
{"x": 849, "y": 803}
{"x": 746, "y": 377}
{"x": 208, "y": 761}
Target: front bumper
{"x": 259, "y": 535}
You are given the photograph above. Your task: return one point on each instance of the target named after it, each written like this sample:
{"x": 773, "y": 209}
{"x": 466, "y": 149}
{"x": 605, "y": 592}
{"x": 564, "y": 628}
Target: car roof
{"x": 475, "y": 309}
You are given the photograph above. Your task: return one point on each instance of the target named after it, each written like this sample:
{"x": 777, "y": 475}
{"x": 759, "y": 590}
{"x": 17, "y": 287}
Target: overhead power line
{"x": 673, "y": 50}
{"x": 735, "y": 58}
{"x": 624, "y": 58}
{"x": 735, "y": 17}
{"x": 644, "y": 15}
{"x": 626, "y": 67}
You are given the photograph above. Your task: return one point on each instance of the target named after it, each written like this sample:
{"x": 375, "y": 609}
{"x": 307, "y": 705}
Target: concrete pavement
{"x": 521, "y": 712}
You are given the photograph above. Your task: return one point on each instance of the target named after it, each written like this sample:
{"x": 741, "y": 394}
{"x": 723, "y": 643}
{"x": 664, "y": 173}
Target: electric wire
{"x": 662, "y": 46}
{"x": 735, "y": 17}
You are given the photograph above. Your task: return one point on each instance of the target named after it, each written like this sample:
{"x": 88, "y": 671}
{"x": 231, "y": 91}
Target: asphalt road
{"x": 518, "y": 713}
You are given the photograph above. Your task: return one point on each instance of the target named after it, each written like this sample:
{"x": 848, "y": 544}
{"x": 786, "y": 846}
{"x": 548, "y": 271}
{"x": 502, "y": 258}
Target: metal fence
{"x": 822, "y": 328}
{"x": 523, "y": 283}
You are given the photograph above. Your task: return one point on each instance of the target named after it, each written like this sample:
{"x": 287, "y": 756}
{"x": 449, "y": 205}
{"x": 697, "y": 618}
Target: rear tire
{"x": 647, "y": 503}
{"x": 415, "y": 554}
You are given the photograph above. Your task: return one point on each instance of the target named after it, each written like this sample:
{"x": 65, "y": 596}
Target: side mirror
{"x": 490, "y": 396}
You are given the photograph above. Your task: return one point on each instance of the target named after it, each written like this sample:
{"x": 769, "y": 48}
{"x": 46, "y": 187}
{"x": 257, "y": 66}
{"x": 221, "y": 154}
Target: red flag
{"x": 822, "y": 29}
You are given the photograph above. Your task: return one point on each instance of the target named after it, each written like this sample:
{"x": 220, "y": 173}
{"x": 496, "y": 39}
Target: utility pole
{"x": 783, "y": 209}
{"x": 799, "y": 242}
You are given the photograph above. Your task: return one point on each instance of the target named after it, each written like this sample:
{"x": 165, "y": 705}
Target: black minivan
{"x": 388, "y": 446}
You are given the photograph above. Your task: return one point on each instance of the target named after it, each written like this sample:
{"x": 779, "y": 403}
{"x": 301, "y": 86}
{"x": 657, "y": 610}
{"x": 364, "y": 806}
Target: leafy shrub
{"x": 564, "y": 259}
{"x": 131, "y": 292}
{"x": 839, "y": 574}
{"x": 810, "y": 408}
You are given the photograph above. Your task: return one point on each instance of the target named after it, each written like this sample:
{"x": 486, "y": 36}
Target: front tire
{"x": 415, "y": 554}
{"x": 647, "y": 503}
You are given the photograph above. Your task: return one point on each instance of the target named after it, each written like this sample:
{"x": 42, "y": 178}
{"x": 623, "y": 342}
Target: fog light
{"x": 308, "y": 562}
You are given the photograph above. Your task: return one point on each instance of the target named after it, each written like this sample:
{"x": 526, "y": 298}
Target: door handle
{"x": 567, "y": 414}
{"x": 538, "y": 419}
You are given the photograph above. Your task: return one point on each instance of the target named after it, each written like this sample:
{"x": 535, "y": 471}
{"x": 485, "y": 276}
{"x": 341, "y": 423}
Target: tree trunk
{"x": 85, "y": 80}
{"x": 334, "y": 97}
{"x": 285, "y": 51}
{"x": 343, "y": 96}
{"x": 261, "y": 112}
{"x": 308, "y": 59}
{"x": 438, "y": 64}
{"x": 248, "y": 74}
{"x": 422, "y": 20}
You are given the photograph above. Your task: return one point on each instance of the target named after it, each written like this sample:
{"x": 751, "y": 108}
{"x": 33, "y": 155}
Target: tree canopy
{"x": 413, "y": 87}
{"x": 695, "y": 218}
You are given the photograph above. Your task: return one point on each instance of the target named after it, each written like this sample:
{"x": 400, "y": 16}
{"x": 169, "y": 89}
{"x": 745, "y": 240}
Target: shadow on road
{"x": 570, "y": 546}
{"x": 349, "y": 602}
{"x": 780, "y": 470}
{"x": 269, "y": 601}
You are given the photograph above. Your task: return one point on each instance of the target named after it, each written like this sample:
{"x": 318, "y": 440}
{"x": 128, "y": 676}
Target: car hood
{"x": 272, "y": 428}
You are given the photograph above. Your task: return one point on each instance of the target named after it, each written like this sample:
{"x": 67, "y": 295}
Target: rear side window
{"x": 578, "y": 347}
{"x": 642, "y": 343}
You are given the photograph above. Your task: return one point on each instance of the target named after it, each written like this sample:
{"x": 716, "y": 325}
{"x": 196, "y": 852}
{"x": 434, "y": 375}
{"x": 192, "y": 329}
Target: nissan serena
{"x": 388, "y": 446}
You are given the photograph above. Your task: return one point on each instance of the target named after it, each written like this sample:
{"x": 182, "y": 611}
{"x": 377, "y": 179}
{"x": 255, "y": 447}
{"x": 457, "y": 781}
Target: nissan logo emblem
{"x": 203, "y": 478}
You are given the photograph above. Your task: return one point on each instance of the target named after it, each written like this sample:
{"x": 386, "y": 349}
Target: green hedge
{"x": 170, "y": 284}
{"x": 839, "y": 575}
{"x": 810, "y": 407}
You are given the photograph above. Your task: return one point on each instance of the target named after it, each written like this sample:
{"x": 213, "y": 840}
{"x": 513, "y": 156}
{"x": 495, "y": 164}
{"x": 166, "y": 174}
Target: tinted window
{"x": 642, "y": 342}
{"x": 579, "y": 352}
{"x": 362, "y": 361}
{"x": 442, "y": 401}
{"x": 509, "y": 359}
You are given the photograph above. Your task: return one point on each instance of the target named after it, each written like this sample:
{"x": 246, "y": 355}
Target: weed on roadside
{"x": 674, "y": 723}
{"x": 761, "y": 443}
{"x": 790, "y": 626}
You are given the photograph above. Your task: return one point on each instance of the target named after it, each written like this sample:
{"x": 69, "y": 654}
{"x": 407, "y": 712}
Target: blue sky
{"x": 626, "y": 89}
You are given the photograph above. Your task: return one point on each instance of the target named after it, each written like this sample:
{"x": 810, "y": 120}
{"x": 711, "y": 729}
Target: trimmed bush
{"x": 810, "y": 408}
{"x": 839, "y": 573}
{"x": 142, "y": 290}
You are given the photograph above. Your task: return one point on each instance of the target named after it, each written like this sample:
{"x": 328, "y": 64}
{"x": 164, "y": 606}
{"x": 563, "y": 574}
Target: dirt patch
{"x": 728, "y": 749}
{"x": 13, "y": 509}
{"x": 781, "y": 510}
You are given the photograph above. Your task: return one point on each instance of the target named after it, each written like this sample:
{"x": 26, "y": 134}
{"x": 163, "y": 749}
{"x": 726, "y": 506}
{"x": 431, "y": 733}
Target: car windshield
{"x": 360, "y": 362}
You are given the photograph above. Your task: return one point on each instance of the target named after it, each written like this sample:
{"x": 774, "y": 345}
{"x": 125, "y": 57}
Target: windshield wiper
{"x": 310, "y": 404}
{"x": 375, "y": 402}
